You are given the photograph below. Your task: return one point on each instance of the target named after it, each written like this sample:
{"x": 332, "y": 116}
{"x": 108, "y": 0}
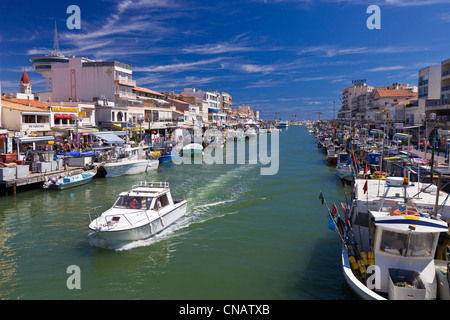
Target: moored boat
{"x": 282, "y": 125}
{"x": 70, "y": 180}
{"x": 127, "y": 160}
{"x": 169, "y": 153}
{"x": 344, "y": 168}
{"x": 389, "y": 239}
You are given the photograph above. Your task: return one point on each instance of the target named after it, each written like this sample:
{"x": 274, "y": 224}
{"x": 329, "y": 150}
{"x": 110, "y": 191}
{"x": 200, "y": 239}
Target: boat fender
{"x": 362, "y": 270}
{"x": 397, "y": 212}
{"x": 364, "y": 259}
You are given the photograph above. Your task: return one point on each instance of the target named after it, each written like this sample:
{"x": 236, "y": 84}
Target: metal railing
{"x": 152, "y": 184}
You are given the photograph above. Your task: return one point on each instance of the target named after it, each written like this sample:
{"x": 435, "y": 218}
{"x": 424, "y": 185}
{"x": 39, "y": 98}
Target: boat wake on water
{"x": 205, "y": 202}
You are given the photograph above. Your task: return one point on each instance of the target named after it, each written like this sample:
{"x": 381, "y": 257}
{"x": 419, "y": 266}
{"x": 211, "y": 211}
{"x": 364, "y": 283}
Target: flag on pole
{"x": 365, "y": 170}
{"x": 331, "y": 225}
{"x": 334, "y": 210}
{"x": 321, "y": 197}
{"x": 365, "y": 187}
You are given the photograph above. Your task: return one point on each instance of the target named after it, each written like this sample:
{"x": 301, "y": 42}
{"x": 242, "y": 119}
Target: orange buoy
{"x": 397, "y": 212}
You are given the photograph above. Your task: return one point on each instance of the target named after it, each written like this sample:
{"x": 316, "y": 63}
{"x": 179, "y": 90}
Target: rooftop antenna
{"x": 55, "y": 51}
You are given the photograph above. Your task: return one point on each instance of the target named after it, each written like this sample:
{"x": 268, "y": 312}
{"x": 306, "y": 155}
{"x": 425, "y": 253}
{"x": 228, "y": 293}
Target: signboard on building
{"x": 65, "y": 109}
{"x": 360, "y": 82}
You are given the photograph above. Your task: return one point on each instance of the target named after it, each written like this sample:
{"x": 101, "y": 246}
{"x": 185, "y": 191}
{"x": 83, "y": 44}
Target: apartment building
{"x": 440, "y": 104}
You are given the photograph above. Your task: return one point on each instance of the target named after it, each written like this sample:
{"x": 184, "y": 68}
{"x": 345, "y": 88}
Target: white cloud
{"x": 445, "y": 17}
{"x": 381, "y": 69}
{"x": 269, "y": 83}
{"x": 318, "y": 78}
{"x": 178, "y": 67}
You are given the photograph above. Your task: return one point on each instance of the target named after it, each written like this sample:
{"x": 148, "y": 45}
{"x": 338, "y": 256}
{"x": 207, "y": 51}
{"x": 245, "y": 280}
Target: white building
{"x": 430, "y": 83}
{"x": 211, "y": 104}
{"x": 108, "y": 84}
{"x": 349, "y": 94}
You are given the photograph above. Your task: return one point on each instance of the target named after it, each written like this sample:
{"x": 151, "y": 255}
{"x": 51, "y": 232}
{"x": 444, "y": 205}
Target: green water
{"x": 246, "y": 236}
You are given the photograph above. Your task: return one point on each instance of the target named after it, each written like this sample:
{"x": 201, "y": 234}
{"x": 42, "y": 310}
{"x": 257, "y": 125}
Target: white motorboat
{"x": 391, "y": 238}
{"x": 127, "y": 160}
{"x": 139, "y": 213}
{"x": 282, "y": 124}
{"x": 78, "y": 178}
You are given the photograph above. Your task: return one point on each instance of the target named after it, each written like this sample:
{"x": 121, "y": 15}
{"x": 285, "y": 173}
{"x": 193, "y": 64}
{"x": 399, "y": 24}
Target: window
{"x": 407, "y": 244}
{"x": 42, "y": 119}
{"x": 161, "y": 202}
{"x": 26, "y": 118}
{"x": 421, "y": 245}
{"x": 393, "y": 242}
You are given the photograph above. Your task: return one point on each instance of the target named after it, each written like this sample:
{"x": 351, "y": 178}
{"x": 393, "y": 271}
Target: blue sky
{"x": 288, "y": 56}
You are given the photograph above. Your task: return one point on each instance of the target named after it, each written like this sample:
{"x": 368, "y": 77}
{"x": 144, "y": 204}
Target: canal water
{"x": 245, "y": 236}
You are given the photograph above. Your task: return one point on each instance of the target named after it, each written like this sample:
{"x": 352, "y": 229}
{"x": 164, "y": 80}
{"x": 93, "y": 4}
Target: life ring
{"x": 397, "y": 212}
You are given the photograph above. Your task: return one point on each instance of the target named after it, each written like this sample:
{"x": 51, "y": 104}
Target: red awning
{"x": 57, "y": 115}
{"x": 66, "y": 116}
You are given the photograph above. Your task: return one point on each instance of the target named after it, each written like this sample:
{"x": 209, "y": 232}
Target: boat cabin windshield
{"x": 407, "y": 244}
{"x": 144, "y": 203}
{"x": 131, "y": 202}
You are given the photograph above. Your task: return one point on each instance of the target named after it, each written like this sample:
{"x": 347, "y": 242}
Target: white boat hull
{"x": 357, "y": 286}
{"x": 144, "y": 231}
{"x": 115, "y": 169}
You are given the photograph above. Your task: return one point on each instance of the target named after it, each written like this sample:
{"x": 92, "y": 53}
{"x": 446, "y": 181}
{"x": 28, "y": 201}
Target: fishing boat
{"x": 344, "y": 167}
{"x": 192, "y": 149}
{"x": 127, "y": 160}
{"x": 139, "y": 213}
{"x": 332, "y": 154}
{"x": 70, "y": 180}
{"x": 389, "y": 238}
{"x": 169, "y": 153}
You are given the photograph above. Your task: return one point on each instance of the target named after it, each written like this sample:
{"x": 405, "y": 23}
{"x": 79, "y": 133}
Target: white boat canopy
{"x": 109, "y": 137}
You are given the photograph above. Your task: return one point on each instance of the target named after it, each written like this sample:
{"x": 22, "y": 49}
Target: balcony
{"x": 446, "y": 74}
{"x": 445, "y": 88}
{"x": 121, "y": 94}
{"x": 442, "y": 119}
{"x": 124, "y": 81}
{"x": 437, "y": 104}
